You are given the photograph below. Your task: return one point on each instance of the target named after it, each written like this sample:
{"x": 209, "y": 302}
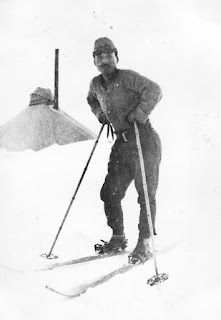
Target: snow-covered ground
{"x": 177, "y": 44}
{"x": 36, "y": 188}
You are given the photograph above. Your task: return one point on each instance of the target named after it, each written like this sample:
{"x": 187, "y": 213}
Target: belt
{"x": 126, "y": 135}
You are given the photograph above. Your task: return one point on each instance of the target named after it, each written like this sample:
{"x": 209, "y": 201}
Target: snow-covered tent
{"x": 39, "y": 126}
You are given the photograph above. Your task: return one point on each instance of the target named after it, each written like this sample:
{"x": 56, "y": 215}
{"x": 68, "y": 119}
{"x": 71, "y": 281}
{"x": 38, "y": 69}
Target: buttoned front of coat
{"x": 127, "y": 91}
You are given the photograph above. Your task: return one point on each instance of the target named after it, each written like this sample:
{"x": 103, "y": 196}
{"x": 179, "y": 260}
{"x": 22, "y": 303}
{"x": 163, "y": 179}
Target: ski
{"x": 65, "y": 263}
{"x": 81, "y": 260}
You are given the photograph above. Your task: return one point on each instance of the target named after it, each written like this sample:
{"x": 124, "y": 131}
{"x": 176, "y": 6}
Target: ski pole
{"x": 158, "y": 277}
{"x": 50, "y": 255}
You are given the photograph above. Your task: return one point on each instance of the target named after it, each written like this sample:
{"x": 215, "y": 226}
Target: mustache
{"x": 103, "y": 64}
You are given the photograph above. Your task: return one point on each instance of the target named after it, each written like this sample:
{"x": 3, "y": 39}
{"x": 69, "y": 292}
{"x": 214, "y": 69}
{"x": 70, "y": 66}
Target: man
{"x": 120, "y": 97}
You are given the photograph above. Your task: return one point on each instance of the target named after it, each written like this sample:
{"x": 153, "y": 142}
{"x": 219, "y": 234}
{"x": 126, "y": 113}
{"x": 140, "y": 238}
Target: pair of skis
{"x": 81, "y": 289}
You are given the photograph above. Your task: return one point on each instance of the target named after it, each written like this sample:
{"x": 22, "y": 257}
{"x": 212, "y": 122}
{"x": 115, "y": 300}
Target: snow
{"x": 177, "y": 44}
{"x": 35, "y": 192}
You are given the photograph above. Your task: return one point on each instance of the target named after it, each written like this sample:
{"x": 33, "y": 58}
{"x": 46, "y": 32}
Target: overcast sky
{"x": 175, "y": 43}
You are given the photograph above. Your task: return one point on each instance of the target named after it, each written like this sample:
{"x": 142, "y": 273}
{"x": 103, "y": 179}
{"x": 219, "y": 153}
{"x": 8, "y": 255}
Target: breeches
{"x": 123, "y": 168}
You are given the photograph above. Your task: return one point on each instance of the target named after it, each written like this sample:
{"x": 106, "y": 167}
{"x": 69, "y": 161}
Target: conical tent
{"x": 41, "y": 126}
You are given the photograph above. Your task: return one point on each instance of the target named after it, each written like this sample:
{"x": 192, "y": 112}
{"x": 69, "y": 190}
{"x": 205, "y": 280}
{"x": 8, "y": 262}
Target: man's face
{"x": 106, "y": 62}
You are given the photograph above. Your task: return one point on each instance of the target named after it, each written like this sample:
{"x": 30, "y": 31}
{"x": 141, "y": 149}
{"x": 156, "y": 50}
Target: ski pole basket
{"x": 157, "y": 279}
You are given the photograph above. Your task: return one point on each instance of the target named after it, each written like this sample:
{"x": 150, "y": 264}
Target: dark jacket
{"x": 127, "y": 91}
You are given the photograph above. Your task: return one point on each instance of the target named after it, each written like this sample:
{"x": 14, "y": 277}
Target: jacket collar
{"x": 111, "y": 79}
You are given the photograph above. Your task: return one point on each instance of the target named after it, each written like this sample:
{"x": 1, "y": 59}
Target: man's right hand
{"x": 103, "y": 119}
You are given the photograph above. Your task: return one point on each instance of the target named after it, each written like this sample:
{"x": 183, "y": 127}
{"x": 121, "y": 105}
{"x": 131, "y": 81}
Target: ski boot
{"x": 141, "y": 252}
{"x": 116, "y": 244}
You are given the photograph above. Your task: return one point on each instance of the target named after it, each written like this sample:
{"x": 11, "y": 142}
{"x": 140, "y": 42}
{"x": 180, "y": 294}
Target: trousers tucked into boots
{"x": 123, "y": 168}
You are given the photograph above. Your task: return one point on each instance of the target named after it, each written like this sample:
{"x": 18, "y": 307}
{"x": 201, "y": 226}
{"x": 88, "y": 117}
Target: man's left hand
{"x": 131, "y": 117}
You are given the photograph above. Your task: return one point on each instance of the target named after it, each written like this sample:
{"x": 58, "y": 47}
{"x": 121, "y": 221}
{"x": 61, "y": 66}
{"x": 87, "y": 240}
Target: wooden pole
{"x": 50, "y": 255}
{"x": 144, "y": 180}
{"x": 157, "y": 278}
{"x": 56, "y": 76}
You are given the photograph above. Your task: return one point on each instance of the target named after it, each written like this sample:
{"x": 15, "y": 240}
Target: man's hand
{"x": 103, "y": 119}
{"x": 131, "y": 117}
{"x": 136, "y": 116}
